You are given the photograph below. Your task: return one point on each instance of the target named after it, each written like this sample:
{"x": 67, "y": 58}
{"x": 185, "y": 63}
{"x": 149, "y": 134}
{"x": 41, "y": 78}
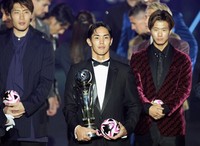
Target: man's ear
{"x": 31, "y": 17}
{"x": 88, "y": 42}
{"x": 170, "y": 32}
{"x": 111, "y": 41}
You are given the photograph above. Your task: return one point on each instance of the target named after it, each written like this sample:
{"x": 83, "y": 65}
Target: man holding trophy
{"x": 99, "y": 89}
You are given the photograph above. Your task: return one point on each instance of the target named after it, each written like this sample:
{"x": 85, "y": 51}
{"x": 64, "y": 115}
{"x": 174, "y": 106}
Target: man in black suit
{"x": 117, "y": 96}
{"x": 26, "y": 66}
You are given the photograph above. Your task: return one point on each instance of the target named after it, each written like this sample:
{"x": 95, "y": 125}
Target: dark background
{"x": 189, "y": 9}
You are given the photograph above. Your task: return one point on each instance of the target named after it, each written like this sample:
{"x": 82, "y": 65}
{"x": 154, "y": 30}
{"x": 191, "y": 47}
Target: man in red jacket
{"x": 163, "y": 76}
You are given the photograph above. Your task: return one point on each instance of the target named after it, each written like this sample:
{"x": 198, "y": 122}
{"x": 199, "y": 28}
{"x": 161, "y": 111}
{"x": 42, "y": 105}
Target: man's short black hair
{"x": 160, "y": 15}
{"x": 26, "y": 3}
{"x": 63, "y": 14}
{"x": 96, "y": 25}
{"x": 4, "y": 5}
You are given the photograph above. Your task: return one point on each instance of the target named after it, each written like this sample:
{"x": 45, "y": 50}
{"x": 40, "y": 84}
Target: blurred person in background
{"x": 41, "y": 8}
{"x": 137, "y": 20}
{"x": 59, "y": 19}
{"x": 117, "y": 18}
{"x": 5, "y": 21}
{"x": 77, "y": 49}
{"x": 51, "y": 23}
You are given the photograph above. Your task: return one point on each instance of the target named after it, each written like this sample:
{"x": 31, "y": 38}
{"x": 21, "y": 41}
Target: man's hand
{"x": 122, "y": 132}
{"x": 156, "y": 111}
{"x": 53, "y": 106}
{"x": 82, "y": 133}
{"x": 15, "y": 109}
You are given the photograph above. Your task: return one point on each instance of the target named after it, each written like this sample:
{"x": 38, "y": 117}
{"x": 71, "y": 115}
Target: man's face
{"x": 21, "y": 17}
{"x": 56, "y": 27}
{"x": 6, "y": 19}
{"x": 160, "y": 33}
{"x": 41, "y": 7}
{"x": 138, "y": 23}
{"x": 100, "y": 43}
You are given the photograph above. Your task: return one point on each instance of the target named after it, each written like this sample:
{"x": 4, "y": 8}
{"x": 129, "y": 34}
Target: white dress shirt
{"x": 101, "y": 73}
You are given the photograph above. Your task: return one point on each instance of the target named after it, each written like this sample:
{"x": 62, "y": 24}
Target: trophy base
{"x": 91, "y": 135}
{"x": 90, "y": 125}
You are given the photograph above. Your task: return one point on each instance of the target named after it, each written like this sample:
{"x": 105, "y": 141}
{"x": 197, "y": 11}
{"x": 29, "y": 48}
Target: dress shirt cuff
{"x": 166, "y": 109}
{"x": 123, "y": 137}
{"x": 146, "y": 107}
{"x": 75, "y": 131}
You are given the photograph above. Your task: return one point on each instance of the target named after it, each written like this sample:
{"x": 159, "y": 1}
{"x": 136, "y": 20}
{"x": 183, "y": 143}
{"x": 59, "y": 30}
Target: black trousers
{"x": 153, "y": 138}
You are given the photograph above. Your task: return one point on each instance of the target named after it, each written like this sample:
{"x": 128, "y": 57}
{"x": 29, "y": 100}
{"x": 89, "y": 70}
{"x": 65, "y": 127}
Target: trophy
{"x": 86, "y": 92}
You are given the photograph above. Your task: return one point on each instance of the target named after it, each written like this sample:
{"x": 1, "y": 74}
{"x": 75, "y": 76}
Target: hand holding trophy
{"x": 87, "y": 96}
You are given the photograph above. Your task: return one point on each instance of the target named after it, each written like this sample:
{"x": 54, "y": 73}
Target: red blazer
{"x": 173, "y": 92}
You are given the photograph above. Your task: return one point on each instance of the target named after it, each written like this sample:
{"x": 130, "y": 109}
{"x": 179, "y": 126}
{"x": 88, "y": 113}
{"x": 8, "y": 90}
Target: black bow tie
{"x": 105, "y": 63}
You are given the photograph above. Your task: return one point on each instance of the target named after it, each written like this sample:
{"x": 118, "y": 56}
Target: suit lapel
{"x": 172, "y": 71}
{"x": 29, "y": 53}
{"x": 148, "y": 70}
{"x": 112, "y": 74}
{"x": 30, "y": 56}
{"x": 8, "y": 54}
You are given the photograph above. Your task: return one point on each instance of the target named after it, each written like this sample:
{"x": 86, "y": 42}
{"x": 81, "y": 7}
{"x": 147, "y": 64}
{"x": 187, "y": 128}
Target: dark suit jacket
{"x": 2, "y": 122}
{"x": 173, "y": 92}
{"x": 121, "y": 102}
{"x": 38, "y": 66}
